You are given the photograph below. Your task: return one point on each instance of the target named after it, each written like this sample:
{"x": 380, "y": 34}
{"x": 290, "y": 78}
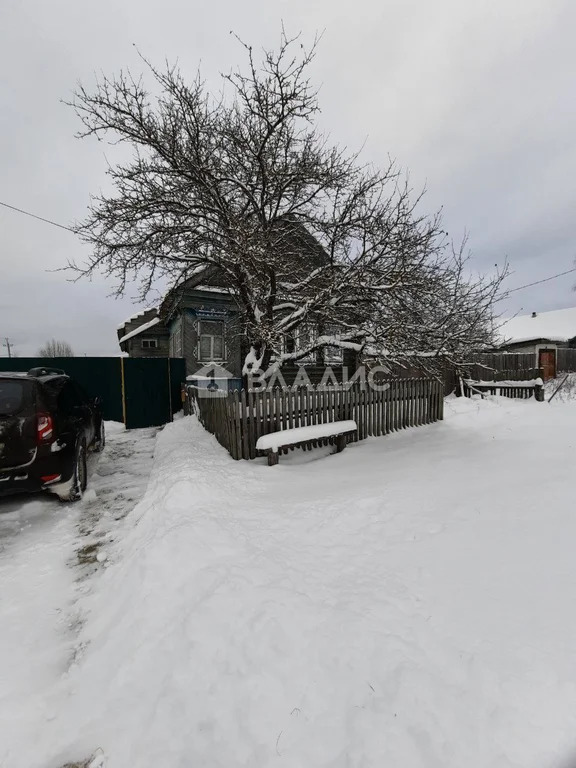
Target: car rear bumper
{"x": 44, "y": 472}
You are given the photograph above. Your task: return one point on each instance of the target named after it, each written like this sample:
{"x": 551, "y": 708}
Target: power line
{"x": 63, "y": 226}
{"x": 33, "y": 215}
{"x": 544, "y": 280}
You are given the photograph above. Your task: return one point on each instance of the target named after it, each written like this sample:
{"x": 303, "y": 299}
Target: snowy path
{"x": 42, "y": 556}
{"x": 407, "y": 603}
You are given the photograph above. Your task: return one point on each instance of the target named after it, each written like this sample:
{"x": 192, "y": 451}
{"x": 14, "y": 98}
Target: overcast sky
{"x": 475, "y": 98}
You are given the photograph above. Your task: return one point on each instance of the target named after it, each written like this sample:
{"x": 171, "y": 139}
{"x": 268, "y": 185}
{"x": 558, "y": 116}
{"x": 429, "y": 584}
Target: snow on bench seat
{"x": 285, "y": 437}
{"x": 507, "y": 383}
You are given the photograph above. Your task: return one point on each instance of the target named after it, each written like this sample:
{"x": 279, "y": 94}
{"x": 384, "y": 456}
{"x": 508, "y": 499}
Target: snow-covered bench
{"x": 520, "y": 389}
{"x": 299, "y": 436}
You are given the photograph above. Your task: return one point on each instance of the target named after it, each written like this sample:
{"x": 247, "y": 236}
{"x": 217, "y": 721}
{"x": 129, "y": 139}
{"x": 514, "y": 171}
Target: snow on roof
{"x": 135, "y": 317}
{"x": 558, "y": 325}
{"x": 140, "y": 329}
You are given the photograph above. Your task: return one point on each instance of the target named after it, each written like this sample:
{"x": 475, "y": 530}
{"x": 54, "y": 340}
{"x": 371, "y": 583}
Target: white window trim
{"x": 212, "y": 337}
{"x": 150, "y": 343}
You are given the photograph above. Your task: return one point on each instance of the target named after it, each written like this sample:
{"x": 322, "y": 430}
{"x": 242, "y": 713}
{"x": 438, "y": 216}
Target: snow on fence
{"x": 516, "y": 387}
{"x": 238, "y": 419}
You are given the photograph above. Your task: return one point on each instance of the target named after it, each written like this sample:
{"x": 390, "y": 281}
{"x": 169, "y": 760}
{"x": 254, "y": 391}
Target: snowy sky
{"x": 476, "y": 99}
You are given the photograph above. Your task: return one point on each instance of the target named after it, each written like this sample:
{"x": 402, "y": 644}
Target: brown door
{"x": 547, "y": 362}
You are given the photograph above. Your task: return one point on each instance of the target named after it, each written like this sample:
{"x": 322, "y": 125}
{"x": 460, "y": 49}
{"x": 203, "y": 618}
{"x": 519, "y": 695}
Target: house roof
{"x": 298, "y": 252}
{"x": 131, "y": 319}
{"x": 141, "y": 329}
{"x": 558, "y": 325}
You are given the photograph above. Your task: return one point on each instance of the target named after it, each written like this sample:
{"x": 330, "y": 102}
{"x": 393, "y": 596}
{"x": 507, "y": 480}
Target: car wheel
{"x": 100, "y": 440}
{"x": 79, "y": 475}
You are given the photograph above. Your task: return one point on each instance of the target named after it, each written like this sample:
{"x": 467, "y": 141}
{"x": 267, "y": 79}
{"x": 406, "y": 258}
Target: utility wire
{"x": 33, "y": 215}
{"x": 537, "y": 282}
{"x": 62, "y": 226}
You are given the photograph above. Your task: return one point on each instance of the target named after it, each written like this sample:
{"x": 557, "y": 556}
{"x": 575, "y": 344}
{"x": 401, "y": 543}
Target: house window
{"x": 306, "y": 335}
{"x": 149, "y": 343}
{"x": 332, "y": 353}
{"x": 210, "y": 340}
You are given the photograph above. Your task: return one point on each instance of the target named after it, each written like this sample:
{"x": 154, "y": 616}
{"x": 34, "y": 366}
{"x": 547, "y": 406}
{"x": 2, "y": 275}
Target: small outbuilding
{"x": 544, "y": 334}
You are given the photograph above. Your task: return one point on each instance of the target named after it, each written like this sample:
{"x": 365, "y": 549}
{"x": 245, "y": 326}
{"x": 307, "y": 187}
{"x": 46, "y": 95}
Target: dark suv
{"x": 47, "y": 424}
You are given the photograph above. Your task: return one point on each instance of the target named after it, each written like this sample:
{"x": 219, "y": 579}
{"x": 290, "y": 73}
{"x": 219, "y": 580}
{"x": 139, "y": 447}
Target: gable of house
{"x": 202, "y": 315}
{"x": 144, "y": 335}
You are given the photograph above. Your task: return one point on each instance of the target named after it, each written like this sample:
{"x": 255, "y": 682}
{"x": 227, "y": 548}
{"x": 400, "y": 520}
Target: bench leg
{"x": 340, "y": 443}
{"x": 272, "y": 458}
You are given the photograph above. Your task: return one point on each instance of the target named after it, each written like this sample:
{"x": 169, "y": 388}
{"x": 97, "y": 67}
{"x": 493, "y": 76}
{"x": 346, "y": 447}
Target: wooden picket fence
{"x": 238, "y": 419}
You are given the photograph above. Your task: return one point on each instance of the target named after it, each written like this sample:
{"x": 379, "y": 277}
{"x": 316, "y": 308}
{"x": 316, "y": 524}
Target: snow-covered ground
{"x": 47, "y": 552}
{"x": 406, "y": 603}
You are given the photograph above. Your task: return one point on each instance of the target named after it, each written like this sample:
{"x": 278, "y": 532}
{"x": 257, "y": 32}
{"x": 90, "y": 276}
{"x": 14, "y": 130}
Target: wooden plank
{"x": 283, "y": 411}
{"x": 277, "y": 410}
{"x": 425, "y": 395}
{"x": 377, "y": 399}
{"x": 324, "y": 410}
{"x": 251, "y": 424}
{"x": 368, "y": 412}
{"x": 312, "y": 400}
{"x": 383, "y": 395}
{"x": 260, "y": 426}
{"x": 374, "y": 411}
{"x": 237, "y": 424}
{"x": 290, "y": 407}
{"x": 308, "y": 413}
{"x": 244, "y": 425}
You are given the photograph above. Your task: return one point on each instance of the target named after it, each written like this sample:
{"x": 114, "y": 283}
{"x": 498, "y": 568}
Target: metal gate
{"x": 140, "y": 392}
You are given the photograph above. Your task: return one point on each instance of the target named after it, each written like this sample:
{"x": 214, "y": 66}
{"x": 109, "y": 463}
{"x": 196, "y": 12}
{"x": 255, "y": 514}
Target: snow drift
{"x": 400, "y": 604}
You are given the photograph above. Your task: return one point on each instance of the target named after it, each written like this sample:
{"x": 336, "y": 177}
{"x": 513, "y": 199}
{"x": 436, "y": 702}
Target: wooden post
{"x": 340, "y": 443}
{"x": 123, "y": 390}
{"x": 244, "y": 425}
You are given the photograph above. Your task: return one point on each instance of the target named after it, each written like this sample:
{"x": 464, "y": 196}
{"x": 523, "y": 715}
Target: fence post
{"x": 539, "y": 392}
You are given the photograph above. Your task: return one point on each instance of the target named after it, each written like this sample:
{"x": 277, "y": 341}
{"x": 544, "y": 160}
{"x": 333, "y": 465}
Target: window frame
{"x": 148, "y": 342}
{"x": 212, "y": 336}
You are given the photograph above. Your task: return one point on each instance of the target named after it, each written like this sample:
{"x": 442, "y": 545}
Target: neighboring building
{"x": 541, "y": 333}
{"x": 144, "y": 335}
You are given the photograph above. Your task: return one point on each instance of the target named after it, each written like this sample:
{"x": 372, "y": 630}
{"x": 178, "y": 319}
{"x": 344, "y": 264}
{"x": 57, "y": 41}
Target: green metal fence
{"x": 140, "y": 392}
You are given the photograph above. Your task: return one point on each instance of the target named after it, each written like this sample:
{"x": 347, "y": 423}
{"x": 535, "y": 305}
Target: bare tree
{"x": 54, "y": 348}
{"x": 232, "y": 182}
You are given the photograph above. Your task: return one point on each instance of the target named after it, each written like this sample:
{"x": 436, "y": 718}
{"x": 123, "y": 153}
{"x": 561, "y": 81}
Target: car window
{"x": 14, "y": 396}
{"x": 82, "y": 394}
{"x": 68, "y": 397}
